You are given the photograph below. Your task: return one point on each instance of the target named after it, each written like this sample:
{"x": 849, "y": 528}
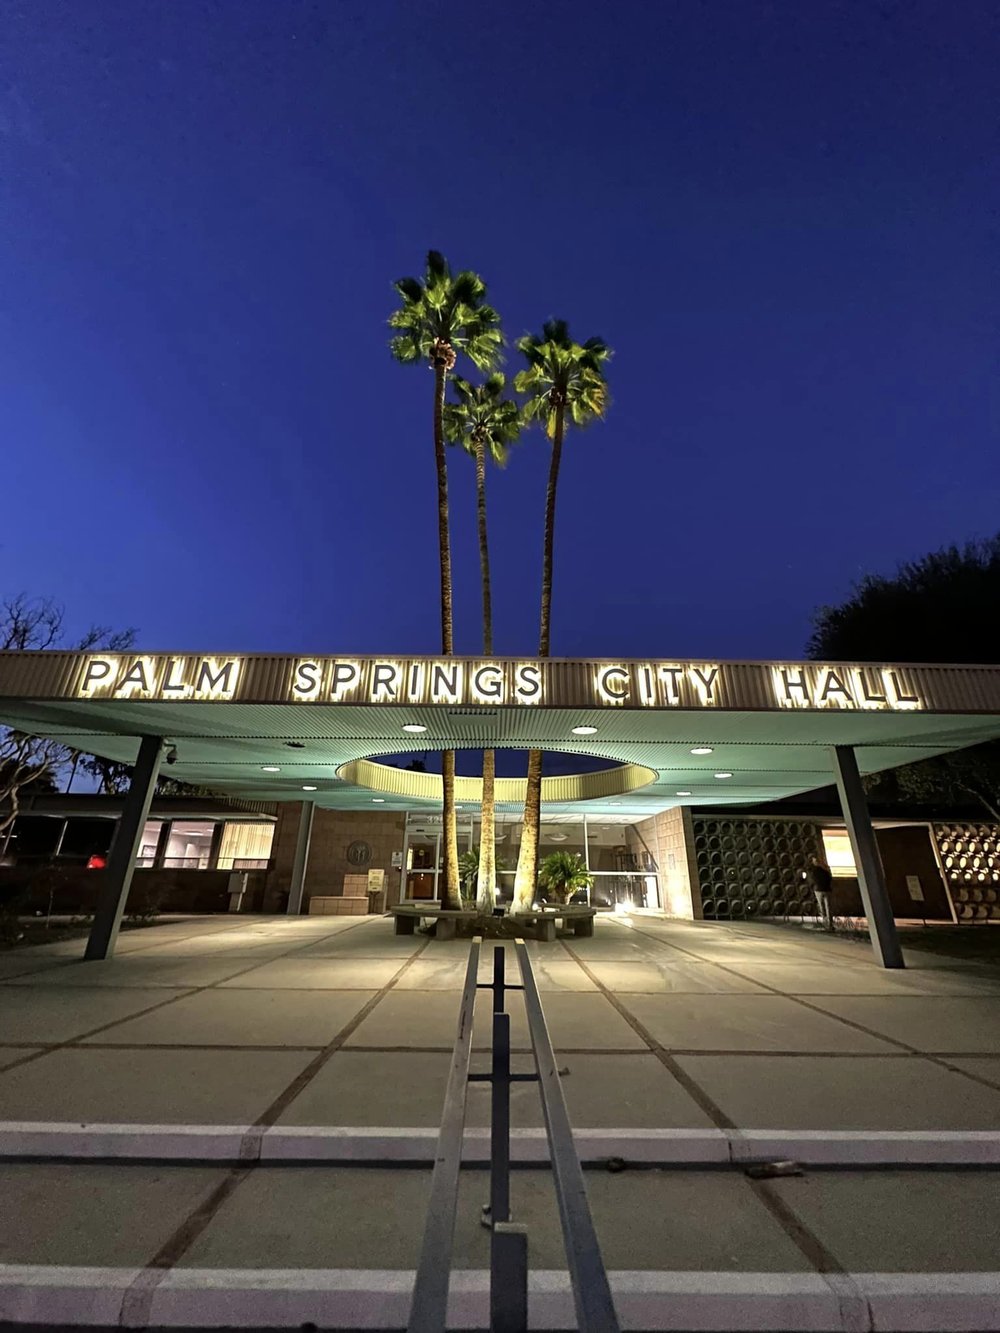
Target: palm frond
{"x": 447, "y": 311}
{"x": 408, "y": 288}
{"x": 562, "y": 371}
{"x": 483, "y": 416}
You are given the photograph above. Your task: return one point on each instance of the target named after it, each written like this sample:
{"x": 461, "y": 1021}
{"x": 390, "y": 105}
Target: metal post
{"x": 124, "y": 849}
{"x": 499, "y": 978}
{"x": 871, "y": 877}
{"x": 301, "y": 858}
{"x": 500, "y": 1121}
{"x": 509, "y": 1278}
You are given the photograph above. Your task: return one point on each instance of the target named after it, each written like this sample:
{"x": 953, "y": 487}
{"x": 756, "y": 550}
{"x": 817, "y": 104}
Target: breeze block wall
{"x": 970, "y": 859}
{"x": 753, "y": 867}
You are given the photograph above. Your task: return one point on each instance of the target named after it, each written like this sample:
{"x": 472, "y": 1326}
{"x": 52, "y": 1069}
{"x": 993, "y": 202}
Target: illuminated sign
{"x": 115, "y": 677}
{"x": 842, "y": 687}
{"x": 458, "y": 682}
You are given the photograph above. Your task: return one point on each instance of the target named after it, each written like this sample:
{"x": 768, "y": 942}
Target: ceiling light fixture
{"x": 270, "y": 768}
{"x": 378, "y": 800}
{"x": 583, "y": 731}
{"x": 307, "y": 788}
{"x": 414, "y": 728}
{"x": 723, "y": 775}
{"x": 682, "y": 793}
{"x": 702, "y": 749}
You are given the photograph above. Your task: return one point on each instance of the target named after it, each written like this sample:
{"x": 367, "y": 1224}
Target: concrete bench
{"x": 541, "y": 924}
{"x": 406, "y": 916}
{"x": 580, "y": 918}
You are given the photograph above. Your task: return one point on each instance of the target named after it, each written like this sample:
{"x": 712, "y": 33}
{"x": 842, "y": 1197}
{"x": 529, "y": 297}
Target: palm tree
{"x": 565, "y": 385}
{"x": 563, "y": 874}
{"x": 484, "y": 422}
{"x": 440, "y": 317}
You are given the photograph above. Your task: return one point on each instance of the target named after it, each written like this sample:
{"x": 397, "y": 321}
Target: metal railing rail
{"x": 429, "y": 1307}
{"x": 595, "y": 1310}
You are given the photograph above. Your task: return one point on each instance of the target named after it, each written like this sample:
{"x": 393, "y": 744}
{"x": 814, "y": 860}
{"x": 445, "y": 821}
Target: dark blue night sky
{"x": 782, "y": 216}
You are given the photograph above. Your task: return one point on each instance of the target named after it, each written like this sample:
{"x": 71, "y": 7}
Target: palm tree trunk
{"x": 550, "y": 532}
{"x": 452, "y": 888}
{"x": 527, "y": 858}
{"x": 486, "y": 881}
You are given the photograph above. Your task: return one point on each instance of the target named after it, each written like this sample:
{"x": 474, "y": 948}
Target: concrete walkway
{"x": 659, "y": 1025}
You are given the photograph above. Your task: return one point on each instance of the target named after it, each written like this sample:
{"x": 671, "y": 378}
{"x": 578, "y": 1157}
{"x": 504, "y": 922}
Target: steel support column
{"x": 124, "y": 850}
{"x": 301, "y": 861}
{"x": 871, "y": 877}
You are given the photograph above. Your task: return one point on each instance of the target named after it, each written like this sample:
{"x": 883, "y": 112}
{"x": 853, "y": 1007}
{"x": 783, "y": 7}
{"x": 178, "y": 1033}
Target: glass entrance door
{"x": 423, "y": 848}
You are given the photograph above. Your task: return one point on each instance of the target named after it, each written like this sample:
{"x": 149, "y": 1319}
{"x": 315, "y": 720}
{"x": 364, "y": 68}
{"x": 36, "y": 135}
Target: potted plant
{"x": 562, "y": 874}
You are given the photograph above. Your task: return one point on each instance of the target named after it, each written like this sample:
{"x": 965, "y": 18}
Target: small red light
{"x": 97, "y": 862}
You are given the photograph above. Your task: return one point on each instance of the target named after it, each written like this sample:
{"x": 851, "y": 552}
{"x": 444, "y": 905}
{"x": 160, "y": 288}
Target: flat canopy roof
{"x": 266, "y": 727}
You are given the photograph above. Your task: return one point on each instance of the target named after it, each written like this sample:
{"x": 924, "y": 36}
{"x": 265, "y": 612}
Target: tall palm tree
{"x": 565, "y": 385}
{"x": 440, "y": 317}
{"x": 485, "y": 424}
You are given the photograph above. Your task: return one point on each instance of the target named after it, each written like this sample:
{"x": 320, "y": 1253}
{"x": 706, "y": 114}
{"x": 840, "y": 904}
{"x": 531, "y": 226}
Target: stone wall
{"x": 669, "y": 837}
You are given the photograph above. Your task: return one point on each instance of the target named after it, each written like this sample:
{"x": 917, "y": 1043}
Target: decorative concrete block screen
{"x": 753, "y": 867}
{"x": 970, "y": 856}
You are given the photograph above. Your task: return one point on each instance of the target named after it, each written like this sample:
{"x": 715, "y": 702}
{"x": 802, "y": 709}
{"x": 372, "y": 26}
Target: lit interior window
{"x": 839, "y": 856}
{"x": 245, "y": 846}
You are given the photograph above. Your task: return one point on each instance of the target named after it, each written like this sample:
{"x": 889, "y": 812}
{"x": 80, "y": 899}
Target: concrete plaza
{"x": 658, "y": 1025}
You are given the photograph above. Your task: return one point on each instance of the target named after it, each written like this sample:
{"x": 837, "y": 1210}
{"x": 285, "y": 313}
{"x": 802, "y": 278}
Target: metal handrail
{"x": 428, "y": 1309}
{"x": 595, "y": 1311}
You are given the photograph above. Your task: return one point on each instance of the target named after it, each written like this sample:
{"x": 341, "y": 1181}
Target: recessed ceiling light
{"x": 270, "y": 768}
{"x": 308, "y": 788}
{"x": 614, "y": 803}
{"x": 414, "y": 727}
{"x": 683, "y": 793}
{"x": 378, "y": 800}
{"x": 701, "y": 749}
{"x": 723, "y": 775}
{"x": 583, "y": 731}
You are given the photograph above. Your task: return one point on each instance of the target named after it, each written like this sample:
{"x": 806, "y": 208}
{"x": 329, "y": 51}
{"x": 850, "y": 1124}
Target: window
{"x": 245, "y": 846}
{"x": 189, "y": 844}
{"x": 148, "y": 843}
{"x": 839, "y": 856}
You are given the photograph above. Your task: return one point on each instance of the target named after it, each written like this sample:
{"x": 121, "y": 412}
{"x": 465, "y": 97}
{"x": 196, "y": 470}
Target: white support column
{"x": 871, "y": 877}
{"x": 301, "y": 861}
{"x": 124, "y": 850}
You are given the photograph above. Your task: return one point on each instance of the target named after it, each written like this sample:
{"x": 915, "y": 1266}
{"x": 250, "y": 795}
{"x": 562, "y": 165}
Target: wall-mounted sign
{"x": 359, "y": 853}
{"x": 478, "y": 683}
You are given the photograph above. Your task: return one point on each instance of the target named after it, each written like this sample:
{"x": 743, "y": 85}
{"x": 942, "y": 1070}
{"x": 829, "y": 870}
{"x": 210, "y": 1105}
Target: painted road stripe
{"x": 653, "y": 1147}
{"x": 363, "y": 1299}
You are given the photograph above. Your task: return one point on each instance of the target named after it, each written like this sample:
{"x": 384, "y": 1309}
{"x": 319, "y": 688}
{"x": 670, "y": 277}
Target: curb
{"x": 417, "y": 1146}
{"x": 379, "y": 1299}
